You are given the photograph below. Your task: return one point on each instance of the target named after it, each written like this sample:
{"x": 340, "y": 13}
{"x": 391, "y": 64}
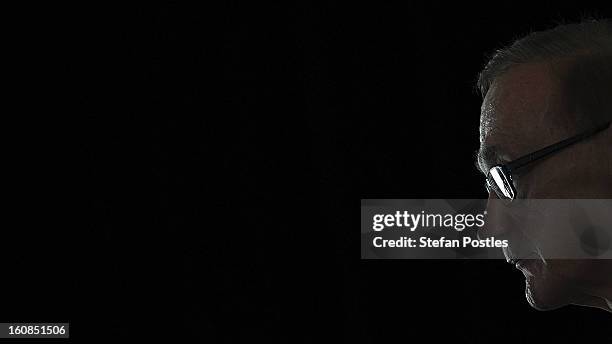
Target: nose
{"x": 495, "y": 225}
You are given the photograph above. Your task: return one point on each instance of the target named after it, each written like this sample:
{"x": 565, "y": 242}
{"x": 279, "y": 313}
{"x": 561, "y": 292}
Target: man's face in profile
{"x": 523, "y": 111}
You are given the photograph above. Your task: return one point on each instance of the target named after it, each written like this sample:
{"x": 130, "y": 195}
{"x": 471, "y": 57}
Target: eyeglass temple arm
{"x": 520, "y": 162}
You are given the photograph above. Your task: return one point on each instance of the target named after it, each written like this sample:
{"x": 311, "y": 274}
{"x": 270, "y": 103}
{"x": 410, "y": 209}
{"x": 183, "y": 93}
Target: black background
{"x": 226, "y": 211}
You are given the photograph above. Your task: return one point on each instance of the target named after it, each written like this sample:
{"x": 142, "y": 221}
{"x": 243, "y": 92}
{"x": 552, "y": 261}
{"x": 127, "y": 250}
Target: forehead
{"x": 519, "y": 109}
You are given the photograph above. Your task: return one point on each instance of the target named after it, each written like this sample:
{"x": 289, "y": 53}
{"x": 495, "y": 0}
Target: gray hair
{"x": 588, "y": 48}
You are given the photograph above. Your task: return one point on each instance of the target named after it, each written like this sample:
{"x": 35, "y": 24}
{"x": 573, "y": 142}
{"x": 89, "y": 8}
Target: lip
{"x": 518, "y": 263}
{"x": 523, "y": 264}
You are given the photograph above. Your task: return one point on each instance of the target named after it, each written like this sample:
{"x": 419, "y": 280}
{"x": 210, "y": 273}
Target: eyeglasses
{"x": 499, "y": 178}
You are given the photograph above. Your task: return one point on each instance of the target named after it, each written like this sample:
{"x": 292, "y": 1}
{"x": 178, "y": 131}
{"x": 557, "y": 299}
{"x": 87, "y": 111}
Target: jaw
{"x": 594, "y": 302}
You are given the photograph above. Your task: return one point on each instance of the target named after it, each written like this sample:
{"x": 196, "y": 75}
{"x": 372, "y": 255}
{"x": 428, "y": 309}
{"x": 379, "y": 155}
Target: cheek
{"x": 583, "y": 272}
{"x": 590, "y": 178}
{"x": 576, "y": 175}
{"x": 542, "y": 181}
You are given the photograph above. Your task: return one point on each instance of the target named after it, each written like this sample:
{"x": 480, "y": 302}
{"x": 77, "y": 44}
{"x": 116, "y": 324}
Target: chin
{"x": 544, "y": 290}
{"x": 542, "y": 300}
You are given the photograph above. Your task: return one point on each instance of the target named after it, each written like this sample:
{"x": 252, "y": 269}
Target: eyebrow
{"x": 486, "y": 157}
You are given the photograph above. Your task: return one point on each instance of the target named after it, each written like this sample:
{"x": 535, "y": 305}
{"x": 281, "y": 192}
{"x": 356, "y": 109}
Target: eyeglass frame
{"x": 504, "y": 171}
